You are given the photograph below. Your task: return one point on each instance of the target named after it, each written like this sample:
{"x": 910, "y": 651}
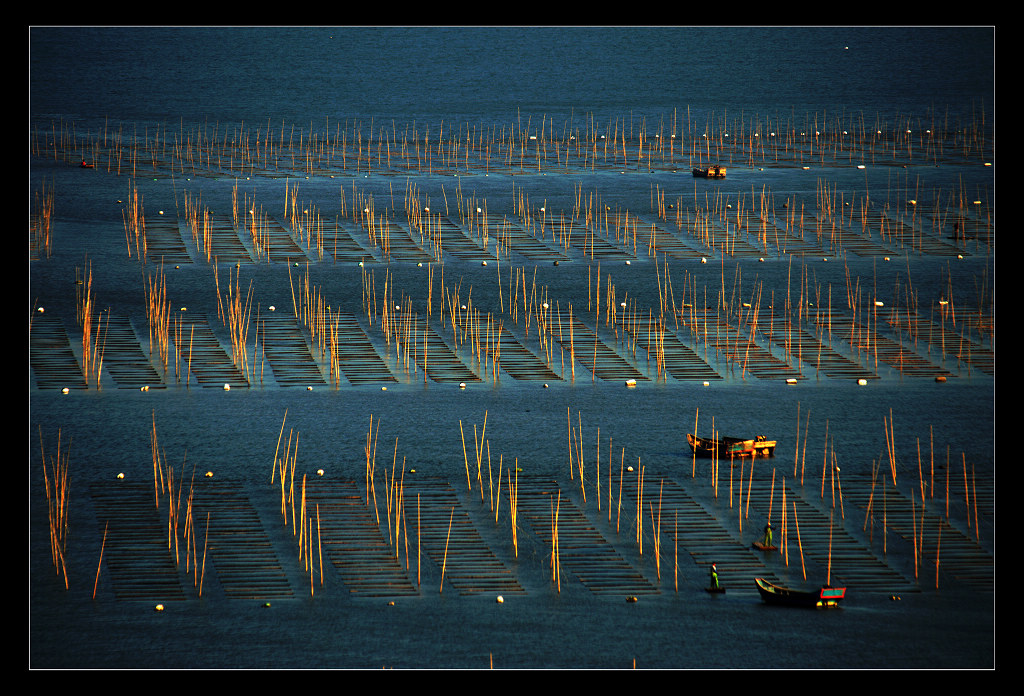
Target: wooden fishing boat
{"x": 715, "y": 590}
{"x": 822, "y": 597}
{"x": 715, "y": 171}
{"x": 727, "y": 447}
{"x": 761, "y": 547}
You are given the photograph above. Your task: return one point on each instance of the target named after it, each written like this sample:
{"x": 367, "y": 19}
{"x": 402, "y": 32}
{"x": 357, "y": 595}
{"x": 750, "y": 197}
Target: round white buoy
{"x": 40, "y": 310}
{"x": 272, "y": 308}
{"x": 500, "y": 600}
{"x": 209, "y": 474}
{"x": 120, "y": 475}
{"x": 383, "y": 388}
{"x": 319, "y": 472}
{"x": 65, "y": 390}
{"x": 462, "y": 385}
{"x": 227, "y": 387}
{"x": 862, "y": 381}
{"x": 159, "y": 607}
{"x": 310, "y": 388}
{"x": 144, "y": 388}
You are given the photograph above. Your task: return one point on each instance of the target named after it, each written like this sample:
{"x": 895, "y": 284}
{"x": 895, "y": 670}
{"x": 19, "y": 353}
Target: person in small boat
{"x": 767, "y": 540}
{"x": 714, "y": 577}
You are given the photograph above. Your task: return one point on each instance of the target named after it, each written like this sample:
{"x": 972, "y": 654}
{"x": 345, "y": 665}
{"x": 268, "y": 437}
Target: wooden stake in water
{"x": 444, "y": 562}
{"x": 104, "y": 545}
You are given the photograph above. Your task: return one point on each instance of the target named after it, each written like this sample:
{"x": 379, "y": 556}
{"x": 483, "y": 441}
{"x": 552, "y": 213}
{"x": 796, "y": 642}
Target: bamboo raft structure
{"x": 203, "y": 356}
{"x": 451, "y": 540}
{"x": 285, "y": 348}
{"x": 366, "y": 563}
{"x": 54, "y": 364}
{"x": 137, "y": 559}
{"x": 241, "y": 555}
{"x": 123, "y": 357}
{"x": 577, "y": 546}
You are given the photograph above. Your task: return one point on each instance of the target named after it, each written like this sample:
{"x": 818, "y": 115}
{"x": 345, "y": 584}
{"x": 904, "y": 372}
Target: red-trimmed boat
{"x": 776, "y": 594}
{"x": 727, "y": 447}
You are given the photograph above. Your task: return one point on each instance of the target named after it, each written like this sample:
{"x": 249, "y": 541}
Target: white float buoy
{"x": 319, "y": 472}
{"x": 120, "y": 475}
{"x": 862, "y": 381}
{"x": 500, "y": 599}
{"x": 791, "y": 380}
{"x": 227, "y": 387}
{"x": 462, "y": 385}
{"x": 65, "y": 390}
{"x": 159, "y": 607}
{"x": 630, "y": 383}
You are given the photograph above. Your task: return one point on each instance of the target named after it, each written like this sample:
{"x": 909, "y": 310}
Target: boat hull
{"x": 727, "y": 447}
{"x": 784, "y": 596}
{"x": 716, "y": 171}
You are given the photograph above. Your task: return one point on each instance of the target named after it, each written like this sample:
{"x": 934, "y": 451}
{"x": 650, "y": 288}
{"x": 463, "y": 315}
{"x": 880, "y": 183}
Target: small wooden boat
{"x": 761, "y": 547}
{"x": 775, "y": 594}
{"x": 727, "y": 447}
{"x": 715, "y": 590}
{"x": 86, "y": 165}
{"x": 715, "y": 171}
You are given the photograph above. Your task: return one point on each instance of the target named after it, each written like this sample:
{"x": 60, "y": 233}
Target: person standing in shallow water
{"x": 767, "y": 540}
{"x": 714, "y": 577}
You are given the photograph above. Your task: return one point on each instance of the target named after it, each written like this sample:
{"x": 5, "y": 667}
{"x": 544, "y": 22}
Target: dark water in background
{"x": 96, "y": 76}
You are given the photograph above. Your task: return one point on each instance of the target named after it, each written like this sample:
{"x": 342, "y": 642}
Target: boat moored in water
{"x": 727, "y": 447}
{"x": 823, "y": 597}
{"x": 714, "y": 171}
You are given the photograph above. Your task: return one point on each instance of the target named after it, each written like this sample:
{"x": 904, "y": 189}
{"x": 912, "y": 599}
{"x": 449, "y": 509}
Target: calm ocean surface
{"x": 139, "y": 80}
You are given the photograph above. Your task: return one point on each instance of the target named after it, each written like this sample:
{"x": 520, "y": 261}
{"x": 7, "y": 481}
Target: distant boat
{"x": 85, "y": 165}
{"x": 727, "y": 447}
{"x": 715, "y": 171}
{"x": 823, "y": 597}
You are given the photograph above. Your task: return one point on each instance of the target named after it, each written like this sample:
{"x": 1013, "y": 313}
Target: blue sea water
{"x": 437, "y": 78}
